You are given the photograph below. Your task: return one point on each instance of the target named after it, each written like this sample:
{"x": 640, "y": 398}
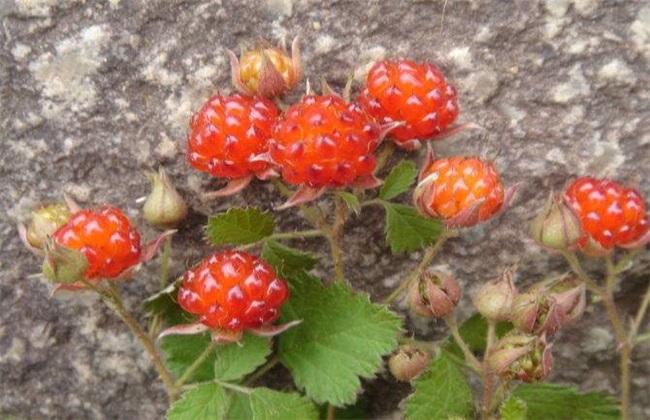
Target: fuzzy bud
{"x": 63, "y": 265}
{"x": 266, "y": 71}
{"x": 524, "y": 357}
{"x": 536, "y": 312}
{"x": 569, "y": 295}
{"x": 164, "y": 206}
{"x": 45, "y": 221}
{"x": 557, "y": 226}
{"x": 494, "y": 300}
{"x": 408, "y": 362}
{"x": 434, "y": 295}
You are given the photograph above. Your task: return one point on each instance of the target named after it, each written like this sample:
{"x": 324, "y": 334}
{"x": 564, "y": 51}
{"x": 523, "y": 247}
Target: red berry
{"x": 610, "y": 214}
{"x": 450, "y": 186}
{"x": 228, "y": 132}
{"x": 414, "y": 93}
{"x": 107, "y": 239}
{"x": 324, "y": 141}
{"x": 233, "y": 290}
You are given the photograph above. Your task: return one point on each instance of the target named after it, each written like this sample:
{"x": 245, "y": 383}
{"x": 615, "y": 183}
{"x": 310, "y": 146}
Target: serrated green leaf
{"x": 236, "y": 360}
{"x": 474, "y": 333}
{"x": 407, "y": 231}
{"x": 267, "y": 404}
{"x": 552, "y": 401}
{"x": 342, "y": 337}
{"x": 182, "y": 350}
{"x": 164, "y": 304}
{"x": 240, "y": 407}
{"x": 206, "y": 401}
{"x": 287, "y": 261}
{"x": 240, "y": 226}
{"x": 440, "y": 392}
{"x": 351, "y": 200}
{"x": 399, "y": 180}
{"x": 513, "y": 409}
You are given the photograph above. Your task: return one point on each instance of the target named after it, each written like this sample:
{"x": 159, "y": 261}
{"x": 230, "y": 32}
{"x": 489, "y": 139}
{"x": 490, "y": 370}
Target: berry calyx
{"x": 611, "y": 215}
{"x": 415, "y": 93}
{"x": 228, "y": 133}
{"x": 107, "y": 239}
{"x": 233, "y": 291}
{"x": 324, "y": 141}
{"x": 460, "y": 191}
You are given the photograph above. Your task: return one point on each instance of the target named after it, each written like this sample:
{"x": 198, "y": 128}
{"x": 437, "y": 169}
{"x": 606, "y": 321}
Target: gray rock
{"x": 93, "y": 94}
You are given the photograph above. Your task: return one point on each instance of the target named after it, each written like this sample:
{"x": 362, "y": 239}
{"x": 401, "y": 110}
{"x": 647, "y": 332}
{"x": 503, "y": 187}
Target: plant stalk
{"x": 429, "y": 255}
{"x": 470, "y": 359}
{"x": 195, "y": 364}
{"x": 114, "y": 301}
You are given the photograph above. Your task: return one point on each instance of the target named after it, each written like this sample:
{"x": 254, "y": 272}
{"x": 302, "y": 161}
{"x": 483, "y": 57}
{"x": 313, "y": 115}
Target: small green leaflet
{"x": 206, "y": 401}
{"x": 182, "y": 350}
{"x": 351, "y": 200}
{"x": 407, "y": 231}
{"x": 164, "y": 305}
{"x": 552, "y": 401}
{"x": 342, "y": 337}
{"x": 287, "y": 261}
{"x": 513, "y": 409}
{"x": 267, "y": 404}
{"x": 236, "y": 360}
{"x": 240, "y": 226}
{"x": 399, "y": 180}
{"x": 440, "y": 392}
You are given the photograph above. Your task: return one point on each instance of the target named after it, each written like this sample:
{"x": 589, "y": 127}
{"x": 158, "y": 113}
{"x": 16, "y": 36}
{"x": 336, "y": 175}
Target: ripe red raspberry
{"x": 324, "y": 141}
{"x": 107, "y": 239}
{"x": 611, "y": 215}
{"x": 233, "y": 290}
{"x": 414, "y": 93}
{"x": 461, "y": 191}
{"x": 228, "y": 133}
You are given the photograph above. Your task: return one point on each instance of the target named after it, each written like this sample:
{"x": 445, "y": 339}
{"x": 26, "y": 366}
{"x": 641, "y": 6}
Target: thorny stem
{"x": 429, "y": 255}
{"x": 488, "y": 377}
{"x": 164, "y": 261}
{"x": 470, "y": 359}
{"x": 331, "y": 412}
{"x": 384, "y": 155}
{"x": 636, "y": 324}
{"x": 606, "y": 294}
{"x": 334, "y": 237}
{"x": 621, "y": 337}
{"x": 114, "y": 301}
{"x": 196, "y": 364}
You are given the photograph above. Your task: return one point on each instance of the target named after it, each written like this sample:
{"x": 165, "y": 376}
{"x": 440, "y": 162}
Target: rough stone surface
{"x": 93, "y": 94}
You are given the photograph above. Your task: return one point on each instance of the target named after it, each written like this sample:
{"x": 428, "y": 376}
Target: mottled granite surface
{"x": 94, "y": 93}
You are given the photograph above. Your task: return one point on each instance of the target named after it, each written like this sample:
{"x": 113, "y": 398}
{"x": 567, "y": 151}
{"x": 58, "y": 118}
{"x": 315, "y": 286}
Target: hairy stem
{"x": 196, "y": 364}
{"x": 470, "y": 359}
{"x": 114, "y": 301}
{"x": 384, "y": 155}
{"x": 331, "y": 412}
{"x": 429, "y": 255}
{"x": 164, "y": 261}
{"x": 621, "y": 336}
{"x": 334, "y": 237}
{"x": 300, "y": 234}
{"x": 640, "y": 315}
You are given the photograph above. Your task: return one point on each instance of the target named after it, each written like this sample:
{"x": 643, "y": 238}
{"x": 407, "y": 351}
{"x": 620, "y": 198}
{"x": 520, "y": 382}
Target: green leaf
{"x": 474, "y": 333}
{"x": 552, "y": 401}
{"x": 240, "y": 407}
{"x": 240, "y": 226}
{"x": 342, "y": 338}
{"x": 269, "y": 404}
{"x": 236, "y": 360}
{"x": 287, "y": 261}
{"x": 440, "y": 392}
{"x": 164, "y": 304}
{"x": 183, "y": 350}
{"x": 399, "y": 180}
{"x": 351, "y": 200}
{"x": 513, "y": 409}
{"x": 206, "y": 401}
{"x": 407, "y": 231}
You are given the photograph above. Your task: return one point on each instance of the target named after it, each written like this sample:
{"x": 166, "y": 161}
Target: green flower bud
{"x": 164, "y": 206}
{"x": 557, "y": 226}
